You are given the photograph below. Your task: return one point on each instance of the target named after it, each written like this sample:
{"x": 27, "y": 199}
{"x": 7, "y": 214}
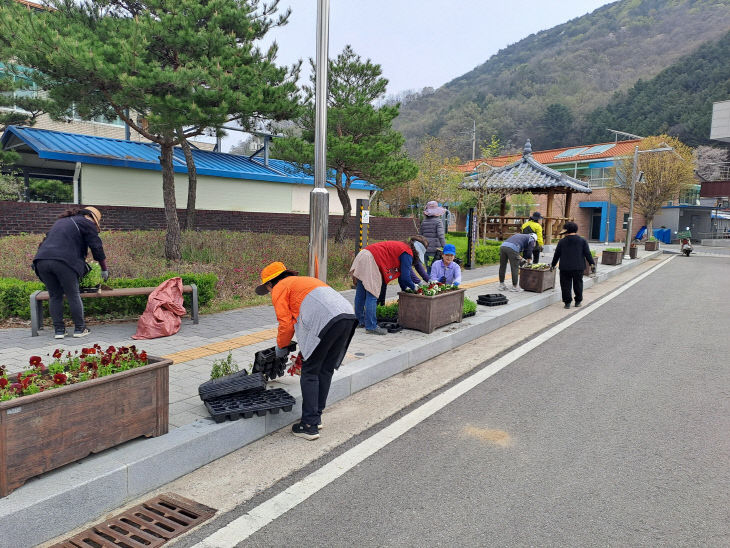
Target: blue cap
{"x": 449, "y": 249}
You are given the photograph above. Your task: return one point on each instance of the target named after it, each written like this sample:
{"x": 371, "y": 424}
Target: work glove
{"x": 455, "y": 284}
{"x": 282, "y": 352}
{"x": 442, "y": 279}
{"x": 105, "y": 275}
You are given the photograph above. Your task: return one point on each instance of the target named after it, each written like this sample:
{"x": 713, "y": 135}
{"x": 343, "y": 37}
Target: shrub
{"x": 15, "y": 296}
{"x": 487, "y": 254}
{"x": 469, "y": 306}
{"x": 387, "y": 313}
{"x": 613, "y": 249}
{"x": 223, "y": 367}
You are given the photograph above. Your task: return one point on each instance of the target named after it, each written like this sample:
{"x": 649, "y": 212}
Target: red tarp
{"x": 161, "y": 318}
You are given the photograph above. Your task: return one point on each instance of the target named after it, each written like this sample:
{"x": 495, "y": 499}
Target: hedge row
{"x": 15, "y": 296}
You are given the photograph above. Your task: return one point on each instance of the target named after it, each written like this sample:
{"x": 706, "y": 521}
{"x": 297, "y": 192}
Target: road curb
{"x": 92, "y": 487}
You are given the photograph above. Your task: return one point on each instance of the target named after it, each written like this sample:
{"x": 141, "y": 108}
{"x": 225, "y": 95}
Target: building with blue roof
{"x": 107, "y": 171}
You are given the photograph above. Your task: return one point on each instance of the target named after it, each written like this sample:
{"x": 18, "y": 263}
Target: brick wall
{"x": 18, "y": 217}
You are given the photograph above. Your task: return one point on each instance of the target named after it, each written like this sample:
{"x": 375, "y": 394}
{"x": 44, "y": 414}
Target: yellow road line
{"x": 260, "y": 336}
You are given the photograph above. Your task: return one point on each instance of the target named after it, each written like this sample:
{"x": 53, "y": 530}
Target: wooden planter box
{"x": 47, "y": 430}
{"x": 428, "y": 313}
{"x": 651, "y": 246}
{"x": 536, "y": 281}
{"x": 612, "y": 257}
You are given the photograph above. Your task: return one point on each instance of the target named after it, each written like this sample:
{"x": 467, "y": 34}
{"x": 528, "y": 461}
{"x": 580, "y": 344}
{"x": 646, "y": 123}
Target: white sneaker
{"x": 502, "y": 287}
{"x": 516, "y": 288}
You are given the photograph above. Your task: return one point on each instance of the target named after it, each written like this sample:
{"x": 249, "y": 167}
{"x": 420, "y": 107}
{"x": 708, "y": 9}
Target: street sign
{"x": 365, "y": 216}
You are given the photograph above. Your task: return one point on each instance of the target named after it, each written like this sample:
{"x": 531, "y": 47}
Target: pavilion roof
{"x": 524, "y": 175}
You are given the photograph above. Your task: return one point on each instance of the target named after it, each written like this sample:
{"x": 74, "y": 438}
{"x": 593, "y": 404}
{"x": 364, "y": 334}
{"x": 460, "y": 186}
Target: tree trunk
{"x": 192, "y": 182}
{"x": 344, "y": 197}
{"x": 172, "y": 240}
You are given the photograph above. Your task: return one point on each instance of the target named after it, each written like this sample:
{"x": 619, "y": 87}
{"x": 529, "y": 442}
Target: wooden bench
{"x": 36, "y": 304}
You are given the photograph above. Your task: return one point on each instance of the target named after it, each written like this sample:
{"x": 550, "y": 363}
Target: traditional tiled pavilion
{"x": 524, "y": 175}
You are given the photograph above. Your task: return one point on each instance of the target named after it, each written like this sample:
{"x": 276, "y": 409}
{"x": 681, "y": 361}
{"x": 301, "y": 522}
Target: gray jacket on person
{"x": 433, "y": 229}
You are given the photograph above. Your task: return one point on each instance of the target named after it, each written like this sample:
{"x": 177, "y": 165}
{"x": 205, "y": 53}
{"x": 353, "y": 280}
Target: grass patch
{"x": 235, "y": 258}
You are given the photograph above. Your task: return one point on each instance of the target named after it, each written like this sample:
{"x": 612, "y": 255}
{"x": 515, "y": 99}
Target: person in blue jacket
{"x": 445, "y": 270}
{"x": 61, "y": 262}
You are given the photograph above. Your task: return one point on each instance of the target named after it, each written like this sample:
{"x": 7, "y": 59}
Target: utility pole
{"x": 631, "y": 206}
{"x": 474, "y": 141}
{"x": 319, "y": 197}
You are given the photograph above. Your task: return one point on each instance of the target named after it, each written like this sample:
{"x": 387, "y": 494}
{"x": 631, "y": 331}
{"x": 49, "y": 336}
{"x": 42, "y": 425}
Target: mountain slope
{"x": 574, "y": 68}
{"x": 678, "y": 101}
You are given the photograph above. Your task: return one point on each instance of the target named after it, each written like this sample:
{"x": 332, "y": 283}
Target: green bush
{"x": 469, "y": 306}
{"x": 457, "y": 233}
{"x": 15, "y": 296}
{"x": 387, "y": 313}
{"x": 614, "y": 249}
{"x": 487, "y": 254}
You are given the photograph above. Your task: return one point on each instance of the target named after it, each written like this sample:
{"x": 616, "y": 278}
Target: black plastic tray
{"x": 249, "y": 404}
{"x": 392, "y": 327}
{"x": 231, "y": 384}
{"x": 266, "y": 362}
{"x": 492, "y": 299}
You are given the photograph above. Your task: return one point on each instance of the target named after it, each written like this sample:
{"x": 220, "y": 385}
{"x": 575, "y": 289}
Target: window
{"x": 626, "y": 221}
{"x": 29, "y": 91}
{"x": 690, "y": 195}
{"x": 601, "y": 177}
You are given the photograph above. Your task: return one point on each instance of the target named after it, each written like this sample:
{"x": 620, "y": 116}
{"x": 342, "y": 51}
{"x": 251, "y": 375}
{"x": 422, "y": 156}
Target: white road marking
{"x": 246, "y": 525}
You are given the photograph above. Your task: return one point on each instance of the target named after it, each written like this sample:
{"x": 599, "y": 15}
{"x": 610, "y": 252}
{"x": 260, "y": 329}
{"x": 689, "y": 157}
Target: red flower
{"x": 111, "y": 350}
{"x": 105, "y": 360}
{"x": 59, "y": 378}
{"x": 91, "y": 350}
{"x": 17, "y": 387}
{"x": 26, "y": 382}
{"x": 143, "y": 356}
{"x": 57, "y": 353}
{"x": 35, "y": 360}
{"x": 3, "y": 382}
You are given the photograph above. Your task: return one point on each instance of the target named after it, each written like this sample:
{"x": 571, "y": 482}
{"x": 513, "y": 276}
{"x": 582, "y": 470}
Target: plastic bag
{"x": 161, "y": 318}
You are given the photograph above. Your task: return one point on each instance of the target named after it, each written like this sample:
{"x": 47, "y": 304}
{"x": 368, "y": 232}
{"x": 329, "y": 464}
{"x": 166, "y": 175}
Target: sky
{"x": 418, "y": 43}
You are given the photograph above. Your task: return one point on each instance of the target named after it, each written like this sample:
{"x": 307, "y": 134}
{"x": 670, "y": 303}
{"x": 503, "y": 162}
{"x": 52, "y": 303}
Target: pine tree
{"x": 361, "y": 143}
{"x": 188, "y": 64}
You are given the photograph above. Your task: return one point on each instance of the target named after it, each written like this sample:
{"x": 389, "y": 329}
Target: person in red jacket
{"x": 377, "y": 265}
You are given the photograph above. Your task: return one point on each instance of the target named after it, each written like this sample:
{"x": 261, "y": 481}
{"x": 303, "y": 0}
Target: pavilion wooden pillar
{"x": 549, "y": 214}
{"x": 568, "y": 199}
{"x": 502, "y": 213}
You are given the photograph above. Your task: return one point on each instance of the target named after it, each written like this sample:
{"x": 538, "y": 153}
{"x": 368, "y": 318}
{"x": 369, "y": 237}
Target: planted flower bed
{"x": 652, "y": 244}
{"x": 430, "y": 306}
{"x": 81, "y": 403}
{"x": 537, "y": 277}
{"x": 612, "y": 255}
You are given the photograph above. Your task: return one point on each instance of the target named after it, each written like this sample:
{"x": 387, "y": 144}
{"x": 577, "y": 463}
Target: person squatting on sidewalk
{"x": 510, "y": 251}
{"x": 377, "y": 265}
{"x": 61, "y": 262}
{"x": 324, "y": 323}
{"x": 445, "y": 270}
{"x": 572, "y": 252}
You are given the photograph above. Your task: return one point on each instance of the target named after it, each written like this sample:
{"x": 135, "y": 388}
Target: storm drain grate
{"x": 147, "y": 525}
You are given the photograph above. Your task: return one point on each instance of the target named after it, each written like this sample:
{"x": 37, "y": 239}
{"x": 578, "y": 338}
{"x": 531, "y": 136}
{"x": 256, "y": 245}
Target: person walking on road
{"x": 509, "y": 252}
{"x": 377, "y": 265}
{"x": 324, "y": 323}
{"x": 432, "y": 228}
{"x": 61, "y": 262}
{"x": 572, "y": 252}
{"x": 533, "y": 225}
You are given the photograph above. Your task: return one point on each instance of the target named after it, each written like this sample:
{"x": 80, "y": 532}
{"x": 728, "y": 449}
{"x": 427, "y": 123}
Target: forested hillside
{"x": 678, "y": 101}
{"x": 548, "y": 85}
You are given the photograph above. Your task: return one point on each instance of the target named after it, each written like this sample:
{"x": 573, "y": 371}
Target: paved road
{"x": 614, "y": 433}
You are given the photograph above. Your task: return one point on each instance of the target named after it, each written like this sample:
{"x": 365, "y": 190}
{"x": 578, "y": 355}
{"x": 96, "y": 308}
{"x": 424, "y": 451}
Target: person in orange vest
{"x": 324, "y": 323}
{"x": 377, "y": 265}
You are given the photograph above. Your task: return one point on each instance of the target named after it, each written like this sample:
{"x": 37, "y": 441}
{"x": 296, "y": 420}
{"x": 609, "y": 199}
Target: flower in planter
{"x": 59, "y": 378}
{"x": 70, "y": 368}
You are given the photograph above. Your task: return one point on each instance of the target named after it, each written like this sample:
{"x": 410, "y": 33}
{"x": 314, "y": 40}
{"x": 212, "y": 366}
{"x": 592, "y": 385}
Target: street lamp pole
{"x": 319, "y": 197}
{"x": 631, "y": 206}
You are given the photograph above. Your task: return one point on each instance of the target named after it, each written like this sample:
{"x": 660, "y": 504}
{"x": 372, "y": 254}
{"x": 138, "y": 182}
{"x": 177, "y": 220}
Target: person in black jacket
{"x": 572, "y": 252}
{"x": 61, "y": 261}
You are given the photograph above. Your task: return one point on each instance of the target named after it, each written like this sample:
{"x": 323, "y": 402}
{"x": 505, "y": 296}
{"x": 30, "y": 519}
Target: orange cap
{"x": 270, "y": 272}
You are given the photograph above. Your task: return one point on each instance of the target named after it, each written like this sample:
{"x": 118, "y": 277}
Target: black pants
{"x": 61, "y": 279}
{"x": 318, "y": 369}
{"x": 574, "y": 278}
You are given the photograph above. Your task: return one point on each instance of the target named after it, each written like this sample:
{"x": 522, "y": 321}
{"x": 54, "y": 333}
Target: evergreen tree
{"x": 557, "y": 122}
{"x": 188, "y": 64}
{"x": 361, "y": 144}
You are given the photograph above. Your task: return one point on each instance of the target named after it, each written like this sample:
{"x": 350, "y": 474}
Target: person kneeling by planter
{"x": 324, "y": 324}
{"x": 377, "y": 265}
{"x": 572, "y": 252}
{"x": 446, "y": 270}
